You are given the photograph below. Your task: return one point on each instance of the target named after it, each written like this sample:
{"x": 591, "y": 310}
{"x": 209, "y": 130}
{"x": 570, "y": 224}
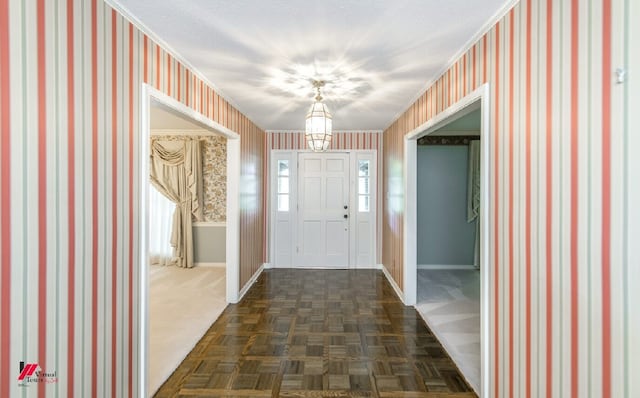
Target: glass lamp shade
{"x": 318, "y": 127}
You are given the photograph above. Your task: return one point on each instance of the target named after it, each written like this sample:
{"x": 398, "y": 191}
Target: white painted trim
{"x": 249, "y": 284}
{"x": 463, "y": 107}
{"x": 410, "y": 224}
{"x": 485, "y": 310}
{"x": 149, "y": 94}
{"x": 124, "y": 11}
{"x": 393, "y": 283}
{"x": 381, "y": 199}
{"x": 484, "y": 29}
{"x": 190, "y": 113}
{"x": 233, "y": 220}
{"x": 211, "y": 265}
{"x": 479, "y": 97}
{"x": 268, "y": 266}
{"x": 209, "y": 224}
{"x": 446, "y": 266}
{"x": 143, "y": 224}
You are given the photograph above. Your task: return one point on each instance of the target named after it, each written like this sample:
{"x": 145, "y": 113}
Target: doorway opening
{"x": 446, "y": 268}
{"x": 169, "y": 326}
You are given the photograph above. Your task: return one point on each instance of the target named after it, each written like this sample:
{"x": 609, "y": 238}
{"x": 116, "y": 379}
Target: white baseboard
{"x": 393, "y": 283}
{"x": 248, "y": 285}
{"x": 268, "y": 265}
{"x": 445, "y": 266}
{"x": 216, "y": 265}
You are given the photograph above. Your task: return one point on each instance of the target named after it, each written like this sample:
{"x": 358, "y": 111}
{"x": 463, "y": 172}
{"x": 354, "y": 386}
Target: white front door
{"x": 323, "y": 214}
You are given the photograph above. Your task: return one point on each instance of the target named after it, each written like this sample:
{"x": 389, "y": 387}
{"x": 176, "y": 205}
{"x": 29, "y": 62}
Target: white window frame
{"x": 274, "y": 214}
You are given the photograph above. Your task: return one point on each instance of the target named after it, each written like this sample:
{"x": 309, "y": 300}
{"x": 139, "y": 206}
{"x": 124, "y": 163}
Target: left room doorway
{"x": 225, "y": 286}
{"x": 175, "y": 324}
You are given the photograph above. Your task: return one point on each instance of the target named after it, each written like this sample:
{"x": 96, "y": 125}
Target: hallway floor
{"x": 315, "y": 333}
{"x": 183, "y": 303}
{"x": 449, "y": 301}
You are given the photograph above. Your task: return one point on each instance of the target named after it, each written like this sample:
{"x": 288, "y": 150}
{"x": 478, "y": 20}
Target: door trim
{"x": 149, "y": 94}
{"x": 477, "y": 98}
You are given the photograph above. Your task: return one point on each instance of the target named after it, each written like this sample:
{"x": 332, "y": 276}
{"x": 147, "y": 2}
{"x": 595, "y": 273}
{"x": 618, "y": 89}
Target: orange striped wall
{"x": 252, "y": 200}
{"x": 70, "y": 80}
{"x": 563, "y": 302}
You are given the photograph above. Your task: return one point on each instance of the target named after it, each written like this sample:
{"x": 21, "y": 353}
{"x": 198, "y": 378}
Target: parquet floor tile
{"x": 318, "y": 333}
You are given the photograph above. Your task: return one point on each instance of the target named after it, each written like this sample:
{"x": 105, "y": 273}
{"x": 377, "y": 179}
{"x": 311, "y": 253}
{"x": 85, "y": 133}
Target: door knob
{"x": 345, "y": 207}
{"x": 346, "y": 216}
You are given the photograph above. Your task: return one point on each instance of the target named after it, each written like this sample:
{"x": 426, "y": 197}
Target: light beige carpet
{"x": 449, "y": 302}
{"x": 183, "y": 303}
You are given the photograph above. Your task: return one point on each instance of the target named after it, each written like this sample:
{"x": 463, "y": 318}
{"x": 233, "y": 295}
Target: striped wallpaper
{"x": 70, "y": 79}
{"x": 564, "y": 280}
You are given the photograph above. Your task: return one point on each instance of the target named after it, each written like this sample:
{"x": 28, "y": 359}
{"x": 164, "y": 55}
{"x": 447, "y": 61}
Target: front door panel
{"x": 323, "y": 232}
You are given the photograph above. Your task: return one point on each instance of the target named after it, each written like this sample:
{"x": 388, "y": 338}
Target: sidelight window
{"x": 283, "y": 185}
{"x": 364, "y": 186}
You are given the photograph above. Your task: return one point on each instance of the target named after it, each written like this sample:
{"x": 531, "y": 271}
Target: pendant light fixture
{"x": 318, "y": 122}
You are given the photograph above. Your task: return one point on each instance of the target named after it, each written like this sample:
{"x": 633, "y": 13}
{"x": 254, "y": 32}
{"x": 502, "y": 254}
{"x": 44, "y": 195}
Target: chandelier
{"x": 318, "y": 123}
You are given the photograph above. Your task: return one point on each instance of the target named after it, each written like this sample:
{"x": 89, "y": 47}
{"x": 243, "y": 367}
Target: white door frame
{"x": 354, "y": 215}
{"x": 149, "y": 94}
{"x": 272, "y": 188}
{"x": 480, "y": 97}
{"x": 292, "y": 155}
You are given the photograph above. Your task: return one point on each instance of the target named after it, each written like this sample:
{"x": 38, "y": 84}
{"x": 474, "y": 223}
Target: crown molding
{"x": 124, "y": 11}
{"x": 484, "y": 29}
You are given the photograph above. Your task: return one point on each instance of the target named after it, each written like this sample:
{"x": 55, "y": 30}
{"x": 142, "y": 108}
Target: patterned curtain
{"x": 176, "y": 171}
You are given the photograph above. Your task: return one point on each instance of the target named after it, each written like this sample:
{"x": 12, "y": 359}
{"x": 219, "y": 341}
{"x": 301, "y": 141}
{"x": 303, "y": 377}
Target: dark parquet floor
{"x": 318, "y": 333}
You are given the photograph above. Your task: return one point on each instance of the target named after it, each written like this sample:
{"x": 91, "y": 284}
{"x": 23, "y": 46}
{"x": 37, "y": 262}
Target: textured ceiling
{"x": 376, "y": 55}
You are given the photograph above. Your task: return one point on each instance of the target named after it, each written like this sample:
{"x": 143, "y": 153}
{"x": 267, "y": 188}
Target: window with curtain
{"x": 176, "y": 172}
{"x": 161, "y": 212}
